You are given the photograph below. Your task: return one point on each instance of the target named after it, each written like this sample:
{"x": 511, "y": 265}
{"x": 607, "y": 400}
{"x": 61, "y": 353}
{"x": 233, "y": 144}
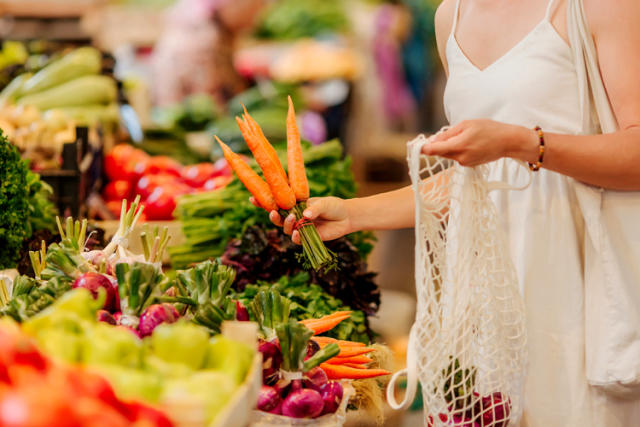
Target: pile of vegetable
{"x": 157, "y": 180}
{"x": 137, "y": 294}
{"x": 25, "y": 207}
{"x": 308, "y": 301}
{"x": 81, "y": 397}
{"x": 291, "y": 19}
{"x": 39, "y": 111}
{"x": 177, "y": 363}
{"x": 210, "y": 219}
{"x": 302, "y": 375}
{"x": 267, "y": 255}
{"x": 465, "y": 405}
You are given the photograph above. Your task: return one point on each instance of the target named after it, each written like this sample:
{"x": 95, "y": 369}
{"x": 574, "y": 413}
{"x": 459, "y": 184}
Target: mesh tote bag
{"x": 468, "y": 344}
{"x": 612, "y": 242}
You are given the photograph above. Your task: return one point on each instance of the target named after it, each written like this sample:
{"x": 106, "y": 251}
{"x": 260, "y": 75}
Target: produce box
{"x": 188, "y": 413}
{"x": 337, "y": 419}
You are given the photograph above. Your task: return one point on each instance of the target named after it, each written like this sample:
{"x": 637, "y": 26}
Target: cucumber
{"x": 82, "y": 91}
{"x": 80, "y": 62}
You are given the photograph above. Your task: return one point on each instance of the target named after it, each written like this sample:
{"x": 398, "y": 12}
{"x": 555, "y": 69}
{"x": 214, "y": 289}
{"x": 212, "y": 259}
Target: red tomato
{"x": 160, "y": 204}
{"x": 221, "y": 167}
{"x": 114, "y": 207}
{"x": 117, "y": 190}
{"x": 163, "y": 164}
{"x": 217, "y": 182}
{"x": 119, "y": 163}
{"x": 148, "y": 183}
{"x": 140, "y": 412}
{"x": 197, "y": 175}
{"x": 87, "y": 383}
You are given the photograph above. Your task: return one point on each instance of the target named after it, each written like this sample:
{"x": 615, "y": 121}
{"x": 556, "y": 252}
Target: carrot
{"x": 354, "y": 365}
{"x": 254, "y": 141}
{"x": 353, "y": 351}
{"x": 271, "y": 168}
{"x": 256, "y": 131}
{"x": 339, "y": 372}
{"x": 295, "y": 162}
{"x": 328, "y": 340}
{"x": 249, "y": 178}
{"x": 321, "y": 325}
{"x": 353, "y": 359}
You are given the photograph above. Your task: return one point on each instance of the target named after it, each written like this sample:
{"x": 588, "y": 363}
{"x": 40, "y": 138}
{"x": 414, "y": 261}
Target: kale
{"x": 14, "y": 207}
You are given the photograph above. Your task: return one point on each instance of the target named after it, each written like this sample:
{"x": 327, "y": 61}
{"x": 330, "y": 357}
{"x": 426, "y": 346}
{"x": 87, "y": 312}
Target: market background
{"x": 363, "y": 72}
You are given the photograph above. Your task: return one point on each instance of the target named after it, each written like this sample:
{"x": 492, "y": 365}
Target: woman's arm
{"x": 610, "y": 161}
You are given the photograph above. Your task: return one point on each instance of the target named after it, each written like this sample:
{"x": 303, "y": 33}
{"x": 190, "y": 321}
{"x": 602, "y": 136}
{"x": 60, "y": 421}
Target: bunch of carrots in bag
{"x": 280, "y": 193}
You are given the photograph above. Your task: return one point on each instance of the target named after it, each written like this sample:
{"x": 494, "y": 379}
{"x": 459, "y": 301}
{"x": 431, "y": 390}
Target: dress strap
{"x": 547, "y": 15}
{"x": 455, "y": 18}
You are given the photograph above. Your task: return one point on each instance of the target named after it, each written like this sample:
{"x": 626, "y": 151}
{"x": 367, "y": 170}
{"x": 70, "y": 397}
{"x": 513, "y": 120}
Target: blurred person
{"x": 195, "y": 52}
{"x": 510, "y": 67}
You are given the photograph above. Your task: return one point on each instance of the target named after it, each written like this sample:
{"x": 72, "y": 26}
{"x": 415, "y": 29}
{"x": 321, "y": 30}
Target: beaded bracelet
{"x": 536, "y": 166}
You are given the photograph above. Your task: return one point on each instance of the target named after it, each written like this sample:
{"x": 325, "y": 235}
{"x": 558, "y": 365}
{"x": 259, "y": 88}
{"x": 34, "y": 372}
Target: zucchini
{"x": 90, "y": 115}
{"x": 80, "y": 62}
{"x": 14, "y": 88}
{"x": 82, "y": 91}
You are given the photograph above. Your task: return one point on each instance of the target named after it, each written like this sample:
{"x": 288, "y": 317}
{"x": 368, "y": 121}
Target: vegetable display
{"x": 81, "y": 396}
{"x": 158, "y": 180}
{"x": 210, "y": 219}
{"x": 289, "y": 195}
{"x": 14, "y": 209}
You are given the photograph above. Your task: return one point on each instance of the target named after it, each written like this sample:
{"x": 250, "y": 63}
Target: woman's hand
{"x": 474, "y": 142}
{"x": 329, "y": 214}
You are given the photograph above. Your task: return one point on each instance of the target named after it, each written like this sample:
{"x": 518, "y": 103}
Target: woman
{"x": 510, "y": 68}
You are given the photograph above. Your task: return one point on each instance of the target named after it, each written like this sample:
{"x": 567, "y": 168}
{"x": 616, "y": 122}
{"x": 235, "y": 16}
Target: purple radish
{"x": 242, "y": 314}
{"x": 331, "y": 393}
{"x": 271, "y": 361}
{"x": 303, "y": 403}
{"x": 106, "y": 317}
{"x": 315, "y": 379}
{"x": 268, "y": 399}
{"x": 156, "y": 314}
{"x": 312, "y": 348}
{"x": 93, "y": 282}
{"x": 495, "y": 410}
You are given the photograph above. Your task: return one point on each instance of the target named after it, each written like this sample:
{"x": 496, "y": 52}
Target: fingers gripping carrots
{"x": 295, "y": 162}
{"x": 249, "y": 178}
{"x": 289, "y": 193}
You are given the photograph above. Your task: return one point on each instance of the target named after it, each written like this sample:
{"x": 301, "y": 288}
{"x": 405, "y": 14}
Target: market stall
{"x": 135, "y": 272}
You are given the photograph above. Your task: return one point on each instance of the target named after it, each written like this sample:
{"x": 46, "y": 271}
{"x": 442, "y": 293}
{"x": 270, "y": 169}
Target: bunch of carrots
{"x": 352, "y": 361}
{"x": 279, "y": 192}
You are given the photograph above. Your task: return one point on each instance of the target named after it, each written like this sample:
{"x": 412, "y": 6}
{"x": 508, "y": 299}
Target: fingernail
{"x": 307, "y": 213}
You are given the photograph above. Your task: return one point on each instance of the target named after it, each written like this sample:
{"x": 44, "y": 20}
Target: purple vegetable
{"x": 242, "y": 314}
{"x": 271, "y": 361}
{"x": 312, "y": 348}
{"x": 106, "y": 317}
{"x": 314, "y": 128}
{"x": 495, "y": 410}
{"x": 93, "y": 282}
{"x": 331, "y": 393}
{"x": 303, "y": 403}
{"x": 315, "y": 379}
{"x": 156, "y": 314}
{"x": 283, "y": 387}
{"x": 268, "y": 399}
{"x": 129, "y": 322}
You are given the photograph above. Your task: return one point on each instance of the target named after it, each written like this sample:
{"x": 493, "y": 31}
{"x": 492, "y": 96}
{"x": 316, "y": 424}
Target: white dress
{"x": 535, "y": 83}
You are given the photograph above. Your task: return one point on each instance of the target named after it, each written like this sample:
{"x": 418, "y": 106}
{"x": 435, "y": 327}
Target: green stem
{"x": 313, "y": 248}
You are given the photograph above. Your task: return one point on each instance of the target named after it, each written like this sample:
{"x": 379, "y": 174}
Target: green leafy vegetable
{"x": 311, "y": 301}
{"x": 269, "y": 309}
{"x": 294, "y": 19}
{"x": 14, "y": 207}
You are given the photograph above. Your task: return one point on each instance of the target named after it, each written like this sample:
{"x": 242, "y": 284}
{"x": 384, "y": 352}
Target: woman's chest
{"x": 533, "y": 83}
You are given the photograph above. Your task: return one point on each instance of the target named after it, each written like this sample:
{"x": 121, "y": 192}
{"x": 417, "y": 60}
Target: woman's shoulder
{"x": 443, "y": 23}
{"x": 605, "y": 15}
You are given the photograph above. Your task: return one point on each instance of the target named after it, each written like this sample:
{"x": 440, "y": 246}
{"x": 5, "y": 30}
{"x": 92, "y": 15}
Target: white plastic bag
{"x": 468, "y": 344}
